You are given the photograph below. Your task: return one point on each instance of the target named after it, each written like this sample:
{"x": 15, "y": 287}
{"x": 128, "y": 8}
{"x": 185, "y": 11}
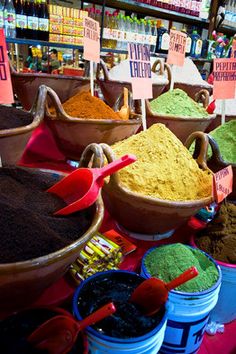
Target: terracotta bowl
{"x": 13, "y": 141}
{"x": 111, "y": 89}
{"x": 217, "y": 122}
{"x": 146, "y": 215}
{"x": 182, "y": 127}
{"x": 25, "y": 86}
{"x": 192, "y": 90}
{"x": 21, "y": 283}
{"x": 216, "y": 163}
{"x": 72, "y": 135}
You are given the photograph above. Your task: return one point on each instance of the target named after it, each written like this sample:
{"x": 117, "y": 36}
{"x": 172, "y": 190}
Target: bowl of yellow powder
{"x": 162, "y": 189}
{"x": 85, "y": 119}
{"x": 179, "y": 112}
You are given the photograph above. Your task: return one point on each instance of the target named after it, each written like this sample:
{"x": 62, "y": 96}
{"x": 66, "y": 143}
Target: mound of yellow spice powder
{"x": 164, "y": 168}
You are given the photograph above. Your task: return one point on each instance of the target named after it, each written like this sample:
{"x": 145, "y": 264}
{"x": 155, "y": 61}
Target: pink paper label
{"x": 224, "y": 78}
{"x": 91, "y": 39}
{"x": 6, "y": 93}
{"x": 177, "y": 48}
{"x": 140, "y": 70}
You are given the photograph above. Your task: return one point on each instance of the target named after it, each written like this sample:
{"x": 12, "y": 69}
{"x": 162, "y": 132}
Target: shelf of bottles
{"x": 147, "y": 9}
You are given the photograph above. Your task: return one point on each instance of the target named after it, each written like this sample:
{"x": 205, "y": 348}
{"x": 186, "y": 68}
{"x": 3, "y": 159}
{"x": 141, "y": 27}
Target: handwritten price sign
{"x": 6, "y": 94}
{"x": 177, "y": 47}
{"x": 223, "y": 183}
{"x": 91, "y": 39}
{"x": 140, "y": 70}
{"x": 224, "y": 78}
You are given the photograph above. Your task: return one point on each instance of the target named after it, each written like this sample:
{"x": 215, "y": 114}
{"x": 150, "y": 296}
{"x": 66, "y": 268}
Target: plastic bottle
{"x": 162, "y": 45}
{"x": 194, "y": 37}
{"x": 9, "y": 19}
{"x": 21, "y": 19}
{"x": 1, "y": 13}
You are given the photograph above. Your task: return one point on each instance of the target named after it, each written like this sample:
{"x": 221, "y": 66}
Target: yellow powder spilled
{"x": 164, "y": 168}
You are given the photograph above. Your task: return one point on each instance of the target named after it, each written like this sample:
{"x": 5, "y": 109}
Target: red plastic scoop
{"x": 59, "y": 334}
{"x": 152, "y": 293}
{"x": 80, "y": 188}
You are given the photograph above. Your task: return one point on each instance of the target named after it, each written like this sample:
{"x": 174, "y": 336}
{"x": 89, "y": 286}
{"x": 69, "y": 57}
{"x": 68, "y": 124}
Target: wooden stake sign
{"x": 177, "y": 47}
{"x": 223, "y": 183}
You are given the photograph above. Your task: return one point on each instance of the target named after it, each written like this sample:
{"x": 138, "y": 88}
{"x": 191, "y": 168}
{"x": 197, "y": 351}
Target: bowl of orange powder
{"x": 84, "y": 119}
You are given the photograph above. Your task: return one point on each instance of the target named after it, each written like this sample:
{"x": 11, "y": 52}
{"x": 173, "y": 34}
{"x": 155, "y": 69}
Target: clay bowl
{"x": 146, "y": 215}
{"x": 182, "y": 127}
{"x": 13, "y": 141}
{"x": 111, "y": 89}
{"x": 26, "y": 85}
{"x": 21, "y": 283}
{"x": 192, "y": 90}
{"x": 217, "y": 122}
{"x": 216, "y": 163}
{"x": 72, "y": 135}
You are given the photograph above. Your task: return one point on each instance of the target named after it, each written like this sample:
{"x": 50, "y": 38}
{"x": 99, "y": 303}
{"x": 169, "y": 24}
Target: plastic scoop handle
{"x": 189, "y": 274}
{"x": 115, "y": 166}
{"x": 58, "y": 334}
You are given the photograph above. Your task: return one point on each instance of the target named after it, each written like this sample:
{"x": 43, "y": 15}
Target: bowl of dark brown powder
{"x": 16, "y": 128}
{"x": 36, "y": 247}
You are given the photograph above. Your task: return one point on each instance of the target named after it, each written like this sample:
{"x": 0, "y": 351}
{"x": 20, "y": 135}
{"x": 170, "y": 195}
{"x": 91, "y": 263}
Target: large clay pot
{"x": 21, "y": 283}
{"x": 182, "y": 127}
{"x": 72, "y": 135}
{"x": 26, "y": 85}
{"x": 147, "y": 215}
{"x": 13, "y": 141}
{"x": 111, "y": 89}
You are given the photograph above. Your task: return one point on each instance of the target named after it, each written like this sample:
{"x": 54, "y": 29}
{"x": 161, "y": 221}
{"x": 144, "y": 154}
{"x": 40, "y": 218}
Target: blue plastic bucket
{"x": 188, "y": 315}
{"x": 99, "y": 343}
{"x": 225, "y": 309}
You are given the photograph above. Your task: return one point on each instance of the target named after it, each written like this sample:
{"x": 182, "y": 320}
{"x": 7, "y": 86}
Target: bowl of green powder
{"x": 169, "y": 261}
{"x": 223, "y": 145}
{"x": 180, "y": 113}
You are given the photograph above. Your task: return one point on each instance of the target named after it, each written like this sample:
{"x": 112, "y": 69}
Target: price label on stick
{"x": 177, "y": 47}
{"x": 140, "y": 70}
{"x": 6, "y": 93}
{"x": 223, "y": 183}
{"x": 224, "y": 72}
{"x": 91, "y": 39}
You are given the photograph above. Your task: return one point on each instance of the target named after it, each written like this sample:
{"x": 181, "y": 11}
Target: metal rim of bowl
{"x": 42, "y": 261}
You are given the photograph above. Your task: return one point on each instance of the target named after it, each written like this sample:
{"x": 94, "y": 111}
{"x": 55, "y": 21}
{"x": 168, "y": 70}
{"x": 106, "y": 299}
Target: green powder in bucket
{"x": 177, "y": 103}
{"x": 169, "y": 261}
{"x": 225, "y": 136}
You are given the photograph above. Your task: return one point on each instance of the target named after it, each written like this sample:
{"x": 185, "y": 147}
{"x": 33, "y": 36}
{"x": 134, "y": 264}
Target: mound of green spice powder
{"x": 177, "y": 103}
{"x": 225, "y": 136}
{"x": 169, "y": 261}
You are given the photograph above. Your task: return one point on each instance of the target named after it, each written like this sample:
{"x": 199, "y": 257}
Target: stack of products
{"x": 198, "y": 8}
{"x": 99, "y": 254}
{"x": 66, "y": 25}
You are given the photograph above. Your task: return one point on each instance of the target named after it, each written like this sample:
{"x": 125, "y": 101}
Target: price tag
{"x": 223, "y": 183}
{"x": 91, "y": 39}
{"x": 177, "y": 48}
{"x": 224, "y": 72}
{"x": 6, "y": 93}
{"x": 140, "y": 70}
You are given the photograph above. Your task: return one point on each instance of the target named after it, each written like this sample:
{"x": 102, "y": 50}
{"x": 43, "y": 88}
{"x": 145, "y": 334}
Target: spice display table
{"x": 42, "y": 152}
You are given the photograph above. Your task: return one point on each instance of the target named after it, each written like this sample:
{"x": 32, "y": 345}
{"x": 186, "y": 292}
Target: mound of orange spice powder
{"x": 84, "y": 105}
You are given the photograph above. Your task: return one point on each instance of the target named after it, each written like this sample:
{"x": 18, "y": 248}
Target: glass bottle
{"x": 43, "y": 16}
{"x": 32, "y": 20}
{"x": 21, "y": 19}
{"x": 9, "y": 14}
